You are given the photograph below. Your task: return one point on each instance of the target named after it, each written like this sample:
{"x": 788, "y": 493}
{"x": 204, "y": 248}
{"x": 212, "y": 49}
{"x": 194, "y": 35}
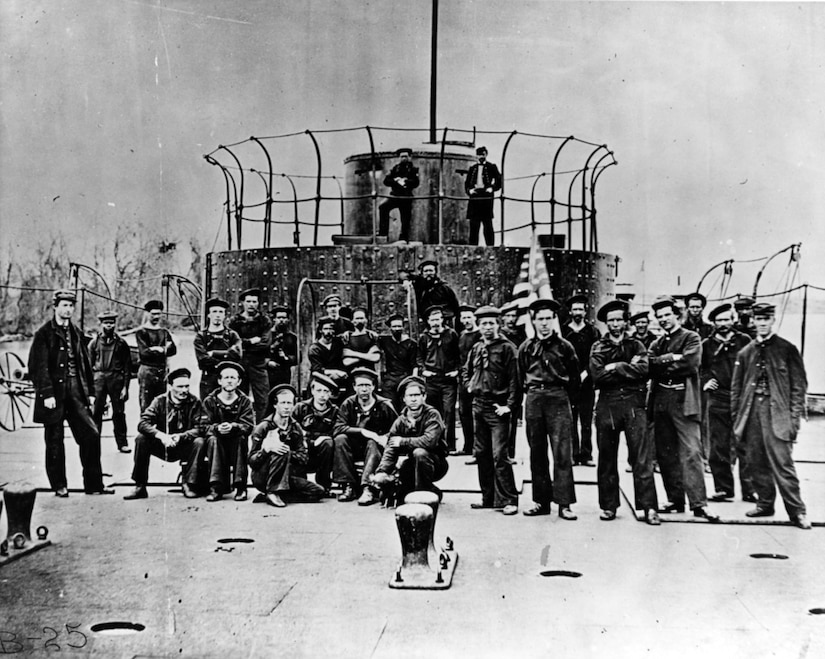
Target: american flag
{"x": 533, "y": 284}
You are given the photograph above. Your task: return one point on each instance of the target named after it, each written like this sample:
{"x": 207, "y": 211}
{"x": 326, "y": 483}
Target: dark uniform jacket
{"x": 664, "y": 369}
{"x": 490, "y": 176}
{"x": 466, "y": 341}
{"x": 426, "y": 431}
{"x": 582, "y": 341}
{"x": 399, "y": 356}
{"x": 224, "y": 346}
{"x": 149, "y": 337}
{"x": 440, "y": 353}
{"x": 284, "y": 350}
{"x": 291, "y": 435}
{"x": 49, "y": 369}
{"x": 119, "y": 357}
{"x": 248, "y": 328}
{"x": 322, "y": 357}
{"x": 314, "y": 423}
{"x": 428, "y": 294}
{"x": 718, "y": 360}
{"x": 787, "y": 383}
{"x": 402, "y": 170}
{"x": 516, "y": 336}
{"x": 239, "y": 413}
{"x": 352, "y": 417}
{"x": 703, "y": 329}
{"x": 550, "y": 362}
{"x": 625, "y": 376}
{"x": 491, "y": 372}
{"x": 185, "y": 419}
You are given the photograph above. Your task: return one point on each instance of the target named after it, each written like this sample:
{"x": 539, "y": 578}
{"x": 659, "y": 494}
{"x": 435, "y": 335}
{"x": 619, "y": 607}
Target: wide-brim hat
{"x": 324, "y": 380}
{"x": 612, "y": 305}
{"x": 230, "y": 364}
{"x": 364, "y": 372}
{"x": 540, "y": 305}
{"x": 696, "y": 296}
{"x": 411, "y": 379}
{"x": 215, "y": 302}
{"x": 662, "y": 302}
{"x": 575, "y": 299}
{"x": 181, "y": 372}
{"x": 722, "y": 308}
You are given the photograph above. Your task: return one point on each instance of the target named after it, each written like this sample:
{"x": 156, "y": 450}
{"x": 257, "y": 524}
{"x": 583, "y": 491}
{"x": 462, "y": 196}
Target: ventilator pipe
{"x": 19, "y": 500}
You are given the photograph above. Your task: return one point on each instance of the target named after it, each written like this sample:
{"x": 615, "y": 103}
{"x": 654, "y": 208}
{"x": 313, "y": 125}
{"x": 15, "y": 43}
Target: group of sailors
{"x": 697, "y": 394}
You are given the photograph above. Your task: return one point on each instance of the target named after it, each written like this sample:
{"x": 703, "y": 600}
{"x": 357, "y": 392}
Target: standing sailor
{"x": 255, "y": 330}
{"x": 155, "y": 346}
{"x": 215, "y": 344}
{"x": 111, "y": 360}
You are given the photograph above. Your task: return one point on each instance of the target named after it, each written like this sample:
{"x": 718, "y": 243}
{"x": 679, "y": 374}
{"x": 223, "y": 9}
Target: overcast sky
{"x": 714, "y": 111}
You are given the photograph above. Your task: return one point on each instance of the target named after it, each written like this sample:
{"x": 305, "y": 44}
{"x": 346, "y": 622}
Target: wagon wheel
{"x": 16, "y": 392}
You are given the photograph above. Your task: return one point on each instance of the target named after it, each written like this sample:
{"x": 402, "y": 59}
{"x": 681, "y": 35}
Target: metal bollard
{"x": 422, "y": 566}
{"x": 19, "y": 507}
{"x": 428, "y": 499}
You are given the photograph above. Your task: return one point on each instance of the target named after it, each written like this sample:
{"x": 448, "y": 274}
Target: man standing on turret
{"x": 482, "y": 182}
{"x": 402, "y": 180}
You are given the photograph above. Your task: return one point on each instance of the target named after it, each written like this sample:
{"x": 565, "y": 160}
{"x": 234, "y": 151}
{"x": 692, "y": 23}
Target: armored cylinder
{"x": 439, "y": 202}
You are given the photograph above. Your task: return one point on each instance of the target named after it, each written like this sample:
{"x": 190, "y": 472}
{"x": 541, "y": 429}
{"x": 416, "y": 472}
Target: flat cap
{"x": 576, "y": 299}
{"x": 743, "y": 302}
{"x": 107, "y": 315}
{"x": 612, "y": 305}
{"x": 639, "y": 316}
{"x": 481, "y": 150}
{"x": 324, "y": 381}
{"x": 488, "y": 311}
{"x": 181, "y": 372}
{"x": 250, "y": 292}
{"x": 364, "y": 372}
{"x": 411, "y": 379}
{"x": 64, "y": 295}
{"x": 404, "y": 149}
{"x": 230, "y": 364}
{"x": 539, "y": 305}
{"x": 722, "y": 308}
{"x": 763, "y": 309}
{"x": 153, "y": 305}
{"x": 215, "y": 302}
{"x": 281, "y": 308}
{"x": 332, "y": 297}
{"x": 396, "y": 316}
{"x": 466, "y": 307}
{"x": 428, "y": 262}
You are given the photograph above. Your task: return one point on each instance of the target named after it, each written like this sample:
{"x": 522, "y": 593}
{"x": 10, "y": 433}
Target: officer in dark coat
{"x": 61, "y": 373}
{"x": 482, "y": 182}
{"x": 402, "y": 180}
{"x": 111, "y": 360}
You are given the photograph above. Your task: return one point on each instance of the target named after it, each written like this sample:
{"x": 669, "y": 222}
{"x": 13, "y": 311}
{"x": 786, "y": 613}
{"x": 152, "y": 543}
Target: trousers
{"x": 550, "y": 425}
{"x": 110, "y": 386}
{"x": 495, "y": 473}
